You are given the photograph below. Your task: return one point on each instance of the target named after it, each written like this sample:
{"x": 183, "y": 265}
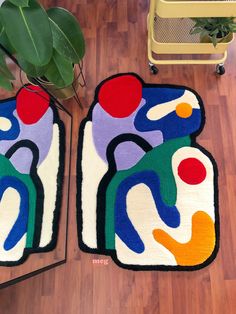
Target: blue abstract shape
{"x": 20, "y": 226}
{"x": 154, "y": 96}
{"x": 6, "y": 110}
{"x": 123, "y": 226}
{"x": 171, "y": 125}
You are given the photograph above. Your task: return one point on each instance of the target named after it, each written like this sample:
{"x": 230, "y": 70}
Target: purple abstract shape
{"x": 127, "y": 154}
{"x": 106, "y": 128}
{"x": 22, "y": 165}
{"x": 39, "y": 133}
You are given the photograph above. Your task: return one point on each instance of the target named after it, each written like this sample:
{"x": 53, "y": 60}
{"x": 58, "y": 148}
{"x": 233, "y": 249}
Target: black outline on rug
{"x": 112, "y": 169}
{"x": 38, "y": 184}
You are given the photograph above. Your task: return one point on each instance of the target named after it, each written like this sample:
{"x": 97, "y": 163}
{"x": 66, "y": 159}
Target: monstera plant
{"x": 46, "y": 44}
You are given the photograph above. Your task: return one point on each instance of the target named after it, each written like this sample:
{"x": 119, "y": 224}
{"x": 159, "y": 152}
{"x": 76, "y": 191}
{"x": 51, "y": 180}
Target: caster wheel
{"x": 154, "y": 70}
{"x": 220, "y": 69}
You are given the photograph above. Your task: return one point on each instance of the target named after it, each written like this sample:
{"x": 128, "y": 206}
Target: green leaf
{"x": 6, "y": 43}
{"x": 68, "y": 38}
{"x": 215, "y": 27}
{"x": 60, "y": 71}
{"x": 1, "y": 27}
{"x": 204, "y": 33}
{"x": 214, "y": 40}
{"x": 195, "y": 31}
{"x": 28, "y": 30}
{"x": 215, "y": 32}
{"x": 20, "y": 3}
{"x": 4, "y": 71}
{"x": 30, "y": 69}
{"x": 5, "y": 83}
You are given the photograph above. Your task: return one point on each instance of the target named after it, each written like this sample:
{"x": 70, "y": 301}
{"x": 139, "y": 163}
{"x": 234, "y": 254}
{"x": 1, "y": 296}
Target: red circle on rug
{"x": 31, "y": 106}
{"x": 121, "y": 95}
{"x": 192, "y": 171}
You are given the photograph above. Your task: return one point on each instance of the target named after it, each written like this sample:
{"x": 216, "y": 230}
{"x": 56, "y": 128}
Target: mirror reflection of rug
{"x": 31, "y": 174}
{"x": 147, "y": 192}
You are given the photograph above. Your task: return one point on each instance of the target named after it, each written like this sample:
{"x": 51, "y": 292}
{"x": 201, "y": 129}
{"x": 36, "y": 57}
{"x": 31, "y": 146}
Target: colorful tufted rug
{"x": 147, "y": 192}
{"x": 31, "y": 173}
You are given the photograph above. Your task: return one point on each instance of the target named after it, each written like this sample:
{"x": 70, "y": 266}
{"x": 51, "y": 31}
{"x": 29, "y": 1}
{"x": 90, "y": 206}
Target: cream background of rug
{"x": 48, "y": 172}
{"x": 93, "y": 169}
{"x": 144, "y": 216}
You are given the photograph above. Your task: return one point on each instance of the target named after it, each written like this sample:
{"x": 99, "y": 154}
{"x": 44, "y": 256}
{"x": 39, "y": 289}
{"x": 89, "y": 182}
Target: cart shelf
{"x": 172, "y": 36}
{"x": 196, "y": 8}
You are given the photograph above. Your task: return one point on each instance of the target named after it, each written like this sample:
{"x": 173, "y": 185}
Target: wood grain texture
{"x": 116, "y": 39}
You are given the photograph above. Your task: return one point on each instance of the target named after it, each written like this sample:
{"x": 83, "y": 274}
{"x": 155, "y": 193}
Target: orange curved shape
{"x": 200, "y": 246}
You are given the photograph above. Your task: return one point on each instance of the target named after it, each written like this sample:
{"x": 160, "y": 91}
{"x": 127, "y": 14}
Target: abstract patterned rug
{"x": 147, "y": 192}
{"x": 31, "y": 174}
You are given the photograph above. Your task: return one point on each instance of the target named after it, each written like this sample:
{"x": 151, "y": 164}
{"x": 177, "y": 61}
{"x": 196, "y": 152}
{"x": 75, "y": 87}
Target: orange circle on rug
{"x": 184, "y": 110}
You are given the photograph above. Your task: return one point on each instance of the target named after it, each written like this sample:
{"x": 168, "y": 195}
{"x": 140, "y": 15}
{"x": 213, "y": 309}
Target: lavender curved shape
{"x": 106, "y": 128}
{"x": 39, "y": 133}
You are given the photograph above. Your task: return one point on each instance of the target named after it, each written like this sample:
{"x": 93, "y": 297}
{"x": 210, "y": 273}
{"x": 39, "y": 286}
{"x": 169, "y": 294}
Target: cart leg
{"x": 153, "y": 69}
{"x": 220, "y": 69}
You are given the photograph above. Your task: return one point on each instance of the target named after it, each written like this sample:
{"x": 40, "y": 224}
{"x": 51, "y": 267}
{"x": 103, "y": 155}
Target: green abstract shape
{"x": 152, "y": 160}
{"x": 7, "y": 169}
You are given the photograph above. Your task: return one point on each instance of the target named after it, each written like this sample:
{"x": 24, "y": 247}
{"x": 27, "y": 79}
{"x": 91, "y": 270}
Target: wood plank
{"x": 116, "y": 42}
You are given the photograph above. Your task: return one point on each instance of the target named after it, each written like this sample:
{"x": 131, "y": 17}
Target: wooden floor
{"x": 116, "y": 42}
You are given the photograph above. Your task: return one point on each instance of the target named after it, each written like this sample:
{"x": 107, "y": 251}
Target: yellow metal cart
{"x": 169, "y": 26}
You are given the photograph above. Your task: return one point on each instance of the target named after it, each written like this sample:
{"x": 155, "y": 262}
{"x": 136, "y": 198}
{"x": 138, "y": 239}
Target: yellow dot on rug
{"x": 184, "y": 110}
